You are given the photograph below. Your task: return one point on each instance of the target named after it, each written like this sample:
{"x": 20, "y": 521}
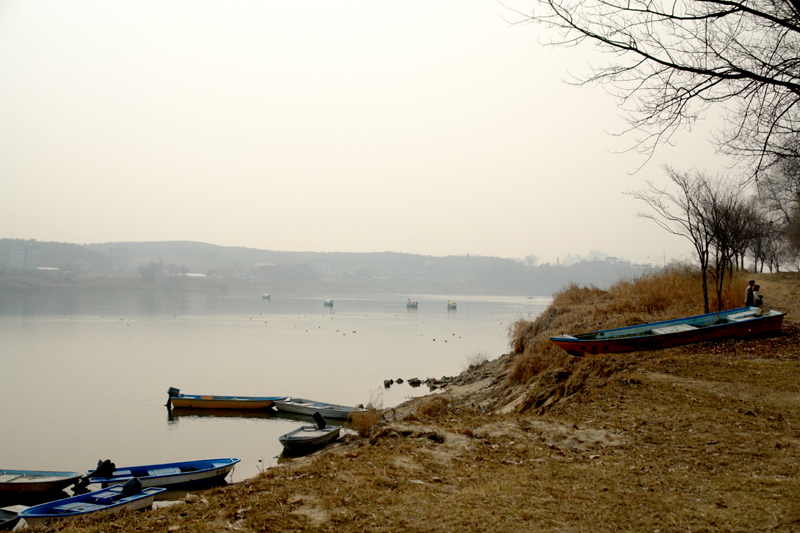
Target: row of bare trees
{"x": 726, "y": 224}
{"x": 673, "y": 60}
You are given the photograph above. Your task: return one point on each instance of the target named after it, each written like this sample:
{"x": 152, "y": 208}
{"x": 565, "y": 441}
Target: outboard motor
{"x": 104, "y": 469}
{"x": 172, "y": 392}
{"x": 319, "y": 420}
{"x": 132, "y": 486}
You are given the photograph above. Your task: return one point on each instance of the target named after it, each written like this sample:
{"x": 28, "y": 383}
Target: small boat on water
{"x": 29, "y": 482}
{"x": 210, "y": 401}
{"x": 265, "y": 296}
{"x": 309, "y": 407}
{"x": 328, "y": 303}
{"x": 168, "y": 475}
{"x": 308, "y": 438}
{"x": 128, "y": 497}
{"x": 451, "y": 305}
{"x": 412, "y": 305}
{"x": 745, "y": 321}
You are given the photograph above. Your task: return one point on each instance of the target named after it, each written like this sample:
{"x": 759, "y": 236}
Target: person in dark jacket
{"x": 749, "y": 299}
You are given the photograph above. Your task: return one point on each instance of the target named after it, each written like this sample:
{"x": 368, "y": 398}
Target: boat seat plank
{"x": 122, "y": 473}
{"x": 163, "y": 471}
{"x": 8, "y": 478}
{"x": 673, "y": 329}
{"x": 77, "y": 507}
{"x": 744, "y": 315}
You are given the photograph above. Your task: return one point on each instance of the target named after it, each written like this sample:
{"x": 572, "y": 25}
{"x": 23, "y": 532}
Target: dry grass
{"x": 548, "y": 374}
{"x": 432, "y": 407}
{"x": 363, "y": 421}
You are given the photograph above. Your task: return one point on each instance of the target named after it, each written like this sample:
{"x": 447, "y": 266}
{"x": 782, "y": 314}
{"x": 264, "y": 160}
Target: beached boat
{"x": 168, "y": 475}
{"x": 745, "y": 321}
{"x": 309, "y": 407}
{"x": 9, "y": 516}
{"x": 29, "y": 482}
{"x": 308, "y": 438}
{"x": 210, "y": 401}
{"x": 116, "y": 497}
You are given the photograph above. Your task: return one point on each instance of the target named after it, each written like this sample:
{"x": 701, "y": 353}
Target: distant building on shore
{"x": 118, "y": 259}
{"x": 24, "y": 256}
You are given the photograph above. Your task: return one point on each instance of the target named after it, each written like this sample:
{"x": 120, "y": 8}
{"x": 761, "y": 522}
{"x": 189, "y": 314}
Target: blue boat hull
{"x": 746, "y": 321}
{"x": 172, "y": 476}
{"x": 92, "y": 502}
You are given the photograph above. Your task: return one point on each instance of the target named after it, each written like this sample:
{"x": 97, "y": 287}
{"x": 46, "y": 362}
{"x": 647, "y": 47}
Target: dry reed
{"x": 549, "y": 373}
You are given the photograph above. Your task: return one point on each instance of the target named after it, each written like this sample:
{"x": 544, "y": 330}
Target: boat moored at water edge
{"x": 210, "y": 401}
{"x": 117, "y": 497}
{"x": 309, "y": 407}
{"x": 745, "y": 321}
{"x": 168, "y": 475}
{"x": 309, "y": 438}
{"x": 28, "y": 482}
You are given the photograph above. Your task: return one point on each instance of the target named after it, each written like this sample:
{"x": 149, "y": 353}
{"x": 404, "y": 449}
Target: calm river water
{"x": 84, "y": 376}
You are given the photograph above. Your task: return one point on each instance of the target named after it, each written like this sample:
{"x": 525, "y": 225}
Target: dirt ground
{"x": 699, "y": 438}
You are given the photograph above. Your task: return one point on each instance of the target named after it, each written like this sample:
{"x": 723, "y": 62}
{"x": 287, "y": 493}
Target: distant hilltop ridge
{"x": 151, "y": 262}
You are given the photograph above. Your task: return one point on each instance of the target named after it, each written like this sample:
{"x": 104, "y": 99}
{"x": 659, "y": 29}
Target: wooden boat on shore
{"x": 745, "y": 321}
{"x": 172, "y": 476}
{"x": 29, "y": 482}
{"x": 210, "y": 401}
{"x": 308, "y": 438}
{"x": 116, "y": 497}
{"x": 9, "y": 516}
{"x": 309, "y": 407}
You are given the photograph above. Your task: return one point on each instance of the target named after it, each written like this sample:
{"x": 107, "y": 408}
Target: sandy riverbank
{"x": 697, "y": 438}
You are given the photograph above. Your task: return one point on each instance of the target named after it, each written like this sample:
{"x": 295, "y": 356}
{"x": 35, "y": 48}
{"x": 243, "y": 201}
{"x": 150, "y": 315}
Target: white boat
{"x": 27, "y": 482}
{"x": 169, "y": 475}
{"x": 308, "y": 438}
{"x": 116, "y": 497}
{"x": 328, "y": 303}
{"x": 309, "y": 407}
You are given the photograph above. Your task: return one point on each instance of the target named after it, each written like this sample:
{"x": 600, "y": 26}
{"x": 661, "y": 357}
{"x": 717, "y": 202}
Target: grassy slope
{"x": 699, "y": 438}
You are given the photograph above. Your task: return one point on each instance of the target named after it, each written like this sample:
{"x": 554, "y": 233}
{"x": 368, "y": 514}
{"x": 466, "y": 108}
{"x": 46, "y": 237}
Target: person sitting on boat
{"x": 749, "y": 299}
{"x": 758, "y": 301}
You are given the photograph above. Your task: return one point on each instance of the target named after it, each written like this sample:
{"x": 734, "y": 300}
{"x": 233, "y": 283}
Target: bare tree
{"x": 683, "y": 213}
{"x": 734, "y": 225}
{"x": 674, "y": 59}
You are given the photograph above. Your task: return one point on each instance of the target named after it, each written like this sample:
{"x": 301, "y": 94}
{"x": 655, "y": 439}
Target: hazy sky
{"x": 355, "y": 126}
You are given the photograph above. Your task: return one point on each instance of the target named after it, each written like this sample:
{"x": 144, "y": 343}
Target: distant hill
{"x": 393, "y": 271}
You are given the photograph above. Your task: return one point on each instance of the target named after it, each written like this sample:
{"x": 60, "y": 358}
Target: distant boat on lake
{"x": 412, "y": 305}
{"x": 265, "y": 296}
{"x": 451, "y": 305}
{"x": 328, "y": 303}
